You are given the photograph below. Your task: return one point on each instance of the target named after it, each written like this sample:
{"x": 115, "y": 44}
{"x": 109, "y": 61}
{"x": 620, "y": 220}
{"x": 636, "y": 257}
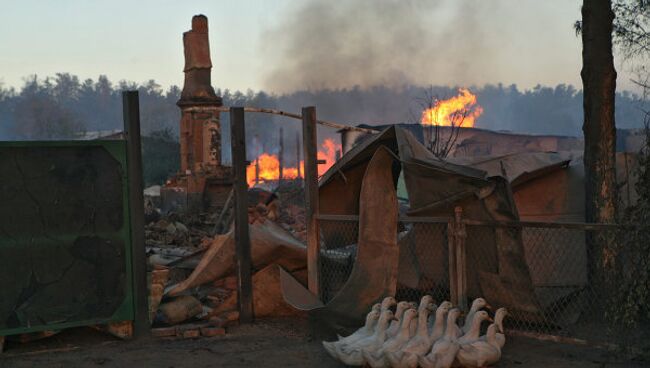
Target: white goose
{"x": 418, "y": 345}
{"x": 377, "y": 359}
{"x": 481, "y": 353}
{"x": 438, "y": 328}
{"x": 475, "y": 328}
{"x": 499, "y": 315}
{"x": 425, "y": 302}
{"x": 350, "y": 354}
{"x": 365, "y": 331}
{"x": 386, "y": 303}
{"x": 394, "y": 327}
{"x": 444, "y": 350}
{"x": 477, "y": 305}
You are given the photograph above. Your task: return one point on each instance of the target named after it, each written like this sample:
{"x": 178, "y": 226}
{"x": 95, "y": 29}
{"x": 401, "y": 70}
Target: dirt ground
{"x": 271, "y": 343}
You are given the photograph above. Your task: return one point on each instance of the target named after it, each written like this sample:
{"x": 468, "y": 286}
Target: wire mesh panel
{"x": 423, "y": 261}
{"x": 337, "y": 255}
{"x": 557, "y": 294}
{"x": 423, "y": 258}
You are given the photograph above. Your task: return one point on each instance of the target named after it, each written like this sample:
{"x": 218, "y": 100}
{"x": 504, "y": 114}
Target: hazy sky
{"x": 509, "y": 41}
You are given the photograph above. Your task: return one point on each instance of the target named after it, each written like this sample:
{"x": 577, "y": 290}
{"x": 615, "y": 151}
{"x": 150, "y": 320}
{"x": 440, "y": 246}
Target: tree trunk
{"x": 599, "y": 82}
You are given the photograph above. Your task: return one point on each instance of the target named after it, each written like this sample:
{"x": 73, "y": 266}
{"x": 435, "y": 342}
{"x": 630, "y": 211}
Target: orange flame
{"x": 451, "y": 111}
{"x": 268, "y": 165}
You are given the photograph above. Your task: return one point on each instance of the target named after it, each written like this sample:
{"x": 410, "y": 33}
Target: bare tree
{"x": 438, "y": 138}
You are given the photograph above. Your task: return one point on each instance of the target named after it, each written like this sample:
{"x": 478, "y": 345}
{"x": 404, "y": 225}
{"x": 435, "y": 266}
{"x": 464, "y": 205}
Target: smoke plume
{"x": 365, "y": 43}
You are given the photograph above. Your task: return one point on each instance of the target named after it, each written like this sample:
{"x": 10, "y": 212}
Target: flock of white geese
{"x": 425, "y": 335}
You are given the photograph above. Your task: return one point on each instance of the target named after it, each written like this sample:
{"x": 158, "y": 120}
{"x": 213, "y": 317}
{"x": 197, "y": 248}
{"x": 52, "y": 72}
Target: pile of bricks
{"x": 215, "y": 326}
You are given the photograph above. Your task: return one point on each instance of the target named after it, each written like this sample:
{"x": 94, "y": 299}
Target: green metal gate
{"x": 65, "y": 237}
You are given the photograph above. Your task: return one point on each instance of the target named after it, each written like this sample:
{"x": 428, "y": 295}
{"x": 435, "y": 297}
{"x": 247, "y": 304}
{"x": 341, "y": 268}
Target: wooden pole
{"x": 453, "y": 274}
{"x": 281, "y": 157}
{"x": 242, "y": 237}
{"x": 131, "y": 117}
{"x": 298, "y": 155}
{"x": 311, "y": 196}
{"x": 257, "y": 160}
{"x": 461, "y": 260}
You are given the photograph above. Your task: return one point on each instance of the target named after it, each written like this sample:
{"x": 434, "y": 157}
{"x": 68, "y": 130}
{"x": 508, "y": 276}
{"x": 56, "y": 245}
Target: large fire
{"x": 267, "y": 166}
{"x": 460, "y": 110}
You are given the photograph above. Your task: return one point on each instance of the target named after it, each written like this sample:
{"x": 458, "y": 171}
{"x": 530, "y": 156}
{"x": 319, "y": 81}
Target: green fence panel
{"x": 65, "y": 239}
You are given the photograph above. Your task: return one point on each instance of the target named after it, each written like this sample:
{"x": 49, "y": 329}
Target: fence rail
{"x": 460, "y": 259}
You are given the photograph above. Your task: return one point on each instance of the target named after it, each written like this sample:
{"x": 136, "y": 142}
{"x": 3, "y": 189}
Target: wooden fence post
{"x": 281, "y": 157}
{"x": 461, "y": 259}
{"x": 131, "y": 116}
{"x": 242, "y": 237}
{"x": 453, "y": 274}
{"x": 298, "y": 155}
{"x": 309, "y": 143}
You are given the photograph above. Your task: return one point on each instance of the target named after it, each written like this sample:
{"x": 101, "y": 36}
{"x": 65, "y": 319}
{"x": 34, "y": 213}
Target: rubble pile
{"x": 175, "y": 230}
{"x": 193, "y": 288}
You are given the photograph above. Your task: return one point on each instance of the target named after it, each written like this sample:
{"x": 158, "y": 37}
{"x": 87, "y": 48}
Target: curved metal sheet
{"x": 296, "y": 294}
{"x": 374, "y": 274}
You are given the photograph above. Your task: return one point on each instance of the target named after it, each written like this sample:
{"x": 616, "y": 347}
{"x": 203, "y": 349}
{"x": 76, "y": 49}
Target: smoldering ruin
{"x": 429, "y": 241}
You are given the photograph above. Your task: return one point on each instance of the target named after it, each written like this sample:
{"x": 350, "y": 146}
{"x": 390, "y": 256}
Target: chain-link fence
{"x": 337, "y": 254}
{"x": 423, "y": 262}
{"x": 545, "y": 274}
{"x": 556, "y": 292}
{"x": 424, "y": 259}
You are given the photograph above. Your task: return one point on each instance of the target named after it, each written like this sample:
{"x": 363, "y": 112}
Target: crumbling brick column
{"x": 200, "y": 130}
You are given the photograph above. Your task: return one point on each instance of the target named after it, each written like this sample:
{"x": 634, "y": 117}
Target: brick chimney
{"x": 200, "y": 129}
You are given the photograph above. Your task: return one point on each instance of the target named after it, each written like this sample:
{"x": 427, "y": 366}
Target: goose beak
{"x": 488, "y": 307}
{"x": 489, "y": 319}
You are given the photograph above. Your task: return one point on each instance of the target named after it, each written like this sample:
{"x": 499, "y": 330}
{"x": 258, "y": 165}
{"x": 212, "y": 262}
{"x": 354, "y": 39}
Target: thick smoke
{"x": 337, "y": 44}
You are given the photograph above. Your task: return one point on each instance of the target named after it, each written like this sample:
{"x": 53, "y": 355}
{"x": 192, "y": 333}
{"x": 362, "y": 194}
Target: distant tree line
{"x": 60, "y": 106}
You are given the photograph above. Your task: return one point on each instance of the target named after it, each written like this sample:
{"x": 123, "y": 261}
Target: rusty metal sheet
{"x": 296, "y": 294}
{"x": 269, "y": 244}
{"x": 374, "y": 274}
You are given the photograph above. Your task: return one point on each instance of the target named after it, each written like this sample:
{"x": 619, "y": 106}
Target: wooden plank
{"x": 242, "y": 236}
{"x": 426, "y": 220}
{"x": 309, "y": 142}
{"x": 131, "y": 116}
{"x": 550, "y": 225}
{"x": 327, "y": 217}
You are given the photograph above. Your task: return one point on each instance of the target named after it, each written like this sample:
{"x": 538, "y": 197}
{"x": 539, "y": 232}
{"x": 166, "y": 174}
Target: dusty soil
{"x": 276, "y": 343}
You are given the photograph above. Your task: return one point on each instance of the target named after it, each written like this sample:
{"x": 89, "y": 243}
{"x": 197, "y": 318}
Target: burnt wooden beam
{"x": 309, "y": 142}
{"x": 131, "y": 116}
{"x": 242, "y": 237}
